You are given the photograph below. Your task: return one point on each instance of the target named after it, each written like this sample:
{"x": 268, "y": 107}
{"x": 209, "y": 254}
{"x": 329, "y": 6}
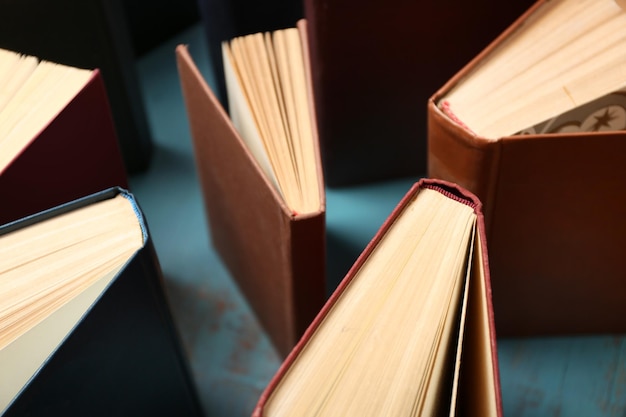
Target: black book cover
{"x": 124, "y": 358}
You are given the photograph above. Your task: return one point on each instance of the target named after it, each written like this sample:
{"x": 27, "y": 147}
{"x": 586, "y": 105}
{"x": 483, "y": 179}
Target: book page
{"x": 242, "y": 118}
{"x": 269, "y": 100}
{"x": 477, "y": 380}
{"x": 44, "y": 265}
{"x": 376, "y": 352}
{"x": 51, "y": 272}
{"x": 37, "y": 101}
{"x": 14, "y": 71}
{"x": 567, "y": 54}
{"x": 22, "y": 358}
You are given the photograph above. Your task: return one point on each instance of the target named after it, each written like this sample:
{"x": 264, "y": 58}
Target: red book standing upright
{"x": 275, "y": 253}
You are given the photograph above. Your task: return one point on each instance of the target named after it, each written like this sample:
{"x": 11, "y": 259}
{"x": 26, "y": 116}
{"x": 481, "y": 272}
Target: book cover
{"x": 470, "y": 366}
{"x": 374, "y": 66}
{"x": 75, "y": 154}
{"x": 87, "y": 34}
{"x": 122, "y": 357}
{"x": 275, "y": 255}
{"x": 553, "y": 209}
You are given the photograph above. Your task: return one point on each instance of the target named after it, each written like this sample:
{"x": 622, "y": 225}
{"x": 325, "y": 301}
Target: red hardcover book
{"x": 410, "y": 328}
{"x": 72, "y": 154}
{"x": 553, "y": 197}
{"x": 89, "y": 34}
{"x": 275, "y": 254}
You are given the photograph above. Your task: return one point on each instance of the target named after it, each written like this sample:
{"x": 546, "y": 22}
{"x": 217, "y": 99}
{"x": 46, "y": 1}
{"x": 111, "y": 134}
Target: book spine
{"x": 308, "y": 271}
{"x": 457, "y": 155}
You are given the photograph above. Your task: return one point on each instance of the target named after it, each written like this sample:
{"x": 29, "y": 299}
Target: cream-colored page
{"x": 42, "y": 97}
{"x": 243, "y": 120}
{"x": 370, "y": 355}
{"x": 565, "y": 55}
{"x": 21, "y": 359}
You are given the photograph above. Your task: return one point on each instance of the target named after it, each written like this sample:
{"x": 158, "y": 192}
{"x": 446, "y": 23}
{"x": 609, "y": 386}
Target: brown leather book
{"x": 553, "y": 202}
{"x": 420, "y": 289}
{"x": 374, "y": 67}
{"x": 276, "y": 256}
{"x": 73, "y": 154}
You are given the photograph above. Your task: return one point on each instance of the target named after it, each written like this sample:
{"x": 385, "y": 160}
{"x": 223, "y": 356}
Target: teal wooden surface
{"x": 231, "y": 357}
{"x": 564, "y": 376}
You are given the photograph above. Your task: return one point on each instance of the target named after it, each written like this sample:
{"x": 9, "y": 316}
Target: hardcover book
{"x": 57, "y": 138}
{"x": 260, "y": 174}
{"x": 534, "y": 126}
{"x": 87, "y": 34}
{"x": 409, "y": 331}
{"x": 85, "y": 325}
{"x": 375, "y": 64}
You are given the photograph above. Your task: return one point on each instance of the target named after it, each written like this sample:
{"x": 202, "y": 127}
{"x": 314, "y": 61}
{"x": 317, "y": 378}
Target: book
{"x": 267, "y": 220}
{"x": 551, "y": 195}
{"x": 87, "y": 34}
{"x": 409, "y": 330}
{"x": 86, "y": 327}
{"x": 57, "y": 138}
{"x": 223, "y": 20}
{"x": 374, "y": 66}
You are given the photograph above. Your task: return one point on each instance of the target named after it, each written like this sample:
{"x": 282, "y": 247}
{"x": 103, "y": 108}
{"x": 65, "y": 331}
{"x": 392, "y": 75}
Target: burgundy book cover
{"x": 277, "y": 257}
{"x": 87, "y": 34}
{"x": 374, "y": 67}
{"x": 76, "y": 154}
{"x": 473, "y": 398}
{"x": 554, "y": 211}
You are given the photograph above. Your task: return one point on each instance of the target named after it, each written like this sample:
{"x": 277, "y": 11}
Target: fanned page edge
{"x": 243, "y": 119}
{"x": 536, "y": 12}
{"x": 195, "y": 89}
{"x": 58, "y": 326}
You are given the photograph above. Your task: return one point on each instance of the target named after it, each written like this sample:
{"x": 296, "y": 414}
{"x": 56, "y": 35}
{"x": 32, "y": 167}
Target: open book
{"x": 33, "y": 93}
{"x": 409, "y": 330}
{"x": 535, "y": 126}
{"x": 83, "y": 318}
{"x": 88, "y": 34}
{"x": 270, "y": 104}
{"x": 57, "y": 138}
{"x": 568, "y": 54}
{"x": 261, "y": 177}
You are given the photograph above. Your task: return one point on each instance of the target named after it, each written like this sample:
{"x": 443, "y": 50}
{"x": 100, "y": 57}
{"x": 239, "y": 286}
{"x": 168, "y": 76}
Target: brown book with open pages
{"x": 535, "y": 127}
{"x": 266, "y": 212}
